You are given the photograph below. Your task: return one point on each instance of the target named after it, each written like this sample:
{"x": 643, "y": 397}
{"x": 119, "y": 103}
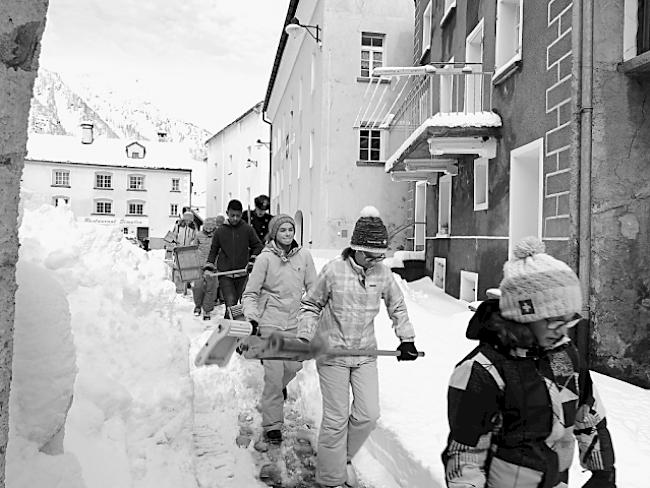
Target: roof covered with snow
{"x": 109, "y": 152}
{"x": 439, "y": 123}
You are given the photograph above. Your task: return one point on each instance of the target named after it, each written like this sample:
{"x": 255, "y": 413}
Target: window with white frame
{"x": 474, "y": 80}
{"x": 481, "y": 184}
{"x": 60, "y": 200}
{"x": 426, "y": 27}
{"x": 104, "y": 207}
{"x": 447, "y": 90}
{"x": 636, "y": 28}
{"x": 444, "y": 206}
{"x": 372, "y": 53}
{"x": 136, "y": 182}
{"x": 420, "y": 217}
{"x": 103, "y": 180}
{"x": 369, "y": 145}
{"x": 508, "y": 33}
{"x": 176, "y": 184}
{"x": 173, "y": 209}
{"x": 60, "y": 177}
{"x": 135, "y": 207}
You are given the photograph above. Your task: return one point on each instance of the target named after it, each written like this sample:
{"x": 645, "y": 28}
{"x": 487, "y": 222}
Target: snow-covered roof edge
{"x": 452, "y": 119}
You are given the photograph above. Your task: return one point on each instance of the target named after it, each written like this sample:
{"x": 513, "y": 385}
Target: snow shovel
{"x": 222, "y": 342}
{"x": 284, "y": 348}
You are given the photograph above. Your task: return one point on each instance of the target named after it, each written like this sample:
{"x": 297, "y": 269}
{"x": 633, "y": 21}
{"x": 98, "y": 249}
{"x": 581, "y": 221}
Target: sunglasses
{"x": 373, "y": 259}
{"x": 555, "y": 323}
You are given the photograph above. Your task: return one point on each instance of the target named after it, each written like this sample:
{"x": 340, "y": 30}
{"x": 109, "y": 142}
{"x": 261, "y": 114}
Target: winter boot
{"x": 352, "y": 481}
{"x": 206, "y": 315}
{"x": 197, "y": 311}
{"x": 274, "y": 436}
{"x": 284, "y": 394}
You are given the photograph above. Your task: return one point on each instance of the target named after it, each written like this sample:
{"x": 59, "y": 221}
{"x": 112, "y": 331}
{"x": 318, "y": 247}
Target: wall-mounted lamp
{"x": 260, "y": 142}
{"x": 294, "y": 27}
{"x": 251, "y": 162}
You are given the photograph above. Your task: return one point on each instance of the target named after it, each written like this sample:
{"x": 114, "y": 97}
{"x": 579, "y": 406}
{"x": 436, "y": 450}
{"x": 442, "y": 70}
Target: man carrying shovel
{"x": 340, "y": 308}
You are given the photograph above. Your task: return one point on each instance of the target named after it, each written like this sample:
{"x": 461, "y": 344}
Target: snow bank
{"x": 130, "y": 423}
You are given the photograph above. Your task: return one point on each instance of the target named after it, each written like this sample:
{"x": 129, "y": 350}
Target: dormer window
{"x": 135, "y": 150}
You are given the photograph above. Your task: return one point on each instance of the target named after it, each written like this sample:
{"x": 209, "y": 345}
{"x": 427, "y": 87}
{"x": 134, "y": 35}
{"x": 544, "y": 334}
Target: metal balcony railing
{"x": 421, "y": 92}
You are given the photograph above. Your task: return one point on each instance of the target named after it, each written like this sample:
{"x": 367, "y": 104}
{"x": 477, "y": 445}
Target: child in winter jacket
{"x": 282, "y": 273}
{"x": 205, "y": 288}
{"x": 518, "y": 402}
{"x": 342, "y": 305}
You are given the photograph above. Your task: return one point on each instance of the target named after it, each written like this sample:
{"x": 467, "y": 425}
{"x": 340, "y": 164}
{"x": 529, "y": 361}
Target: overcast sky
{"x": 204, "y": 61}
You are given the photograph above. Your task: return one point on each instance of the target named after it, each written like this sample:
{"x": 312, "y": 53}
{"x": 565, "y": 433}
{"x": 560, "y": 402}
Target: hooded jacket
{"x": 343, "y": 303}
{"x": 233, "y": 245}
{"x": 515, "y": 411}
{"x": 276, "y": 285}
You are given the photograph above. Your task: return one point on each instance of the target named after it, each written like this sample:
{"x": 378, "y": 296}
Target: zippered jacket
{"x": 276, "y": 285}
{"x": 233, "y": 245}
{"x": 204, "y": 242}
{"x": 344, "y": 302}
{"x": 515, "y": 411}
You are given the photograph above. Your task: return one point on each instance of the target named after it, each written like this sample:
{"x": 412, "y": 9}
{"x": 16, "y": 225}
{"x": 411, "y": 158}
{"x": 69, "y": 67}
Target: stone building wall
{"x": 21, "y": 28}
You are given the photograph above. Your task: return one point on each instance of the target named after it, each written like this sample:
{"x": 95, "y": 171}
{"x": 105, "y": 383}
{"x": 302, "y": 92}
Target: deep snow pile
{"x": 131, "y": 418}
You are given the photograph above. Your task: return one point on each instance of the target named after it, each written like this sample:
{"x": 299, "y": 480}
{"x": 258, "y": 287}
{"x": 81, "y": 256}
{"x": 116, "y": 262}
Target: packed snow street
{"x": 324, "y": 244}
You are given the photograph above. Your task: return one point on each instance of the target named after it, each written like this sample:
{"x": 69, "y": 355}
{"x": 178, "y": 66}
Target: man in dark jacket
{"x": 260, "y": 217}
{"x": 233, "y": 246}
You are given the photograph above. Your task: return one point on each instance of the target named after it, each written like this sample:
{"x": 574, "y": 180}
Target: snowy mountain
{"x": 58, "y": 107}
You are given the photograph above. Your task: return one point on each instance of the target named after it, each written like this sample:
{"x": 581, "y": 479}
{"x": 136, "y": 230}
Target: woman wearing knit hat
{"x": 341, "y": 307}
{"x": 518, "y": 402}
{"x": 271, "y": 300}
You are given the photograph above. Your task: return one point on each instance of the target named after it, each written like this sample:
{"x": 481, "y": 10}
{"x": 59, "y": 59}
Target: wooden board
{"x": 187, "y": 262}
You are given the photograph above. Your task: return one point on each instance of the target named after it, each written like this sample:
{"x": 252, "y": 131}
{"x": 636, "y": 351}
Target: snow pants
{"x": 231, "y": 290}
{"x": 344, "y": 429}
{"x": 204, "y": 292}
{"x": 277, "y": 375}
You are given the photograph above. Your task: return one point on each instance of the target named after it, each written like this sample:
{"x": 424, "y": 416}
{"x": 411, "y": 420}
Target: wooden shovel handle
{"x": 366, "y": 352}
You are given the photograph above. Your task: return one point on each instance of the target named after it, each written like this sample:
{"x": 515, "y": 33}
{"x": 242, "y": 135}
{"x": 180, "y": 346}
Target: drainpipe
{"x": 586, "y": 118}
{"x": 270, "y": 153}
{"x": 581, "y": 162}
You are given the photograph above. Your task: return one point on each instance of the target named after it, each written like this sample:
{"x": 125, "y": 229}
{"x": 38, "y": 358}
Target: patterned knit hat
{"x": 369, "y": 233}
{"x": 276, "y": 222}
{"x": 537, "y": 286}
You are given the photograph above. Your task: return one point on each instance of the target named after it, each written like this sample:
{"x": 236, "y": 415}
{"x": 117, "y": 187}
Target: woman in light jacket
{"x": 282, "y": 273}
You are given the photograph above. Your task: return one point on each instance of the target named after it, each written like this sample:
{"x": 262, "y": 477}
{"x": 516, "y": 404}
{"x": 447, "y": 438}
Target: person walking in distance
{"x": 518, "y": 401}
{"x": 282, "y": 273}
{"x": 234, "y": 245}
{"x": 260, "y": 217}
{"x": 341, "y": 308}
{"x": 205, "y": 288}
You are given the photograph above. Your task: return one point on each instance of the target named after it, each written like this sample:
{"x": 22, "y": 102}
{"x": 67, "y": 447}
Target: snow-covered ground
{"x": 98, "y": 317}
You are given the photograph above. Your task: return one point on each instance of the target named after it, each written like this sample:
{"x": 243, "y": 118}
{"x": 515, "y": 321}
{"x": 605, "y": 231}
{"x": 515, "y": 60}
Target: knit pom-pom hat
{"x": 537, "y": 286}
{"x": 369, "y": 233}
{"x": 276, "y": 222}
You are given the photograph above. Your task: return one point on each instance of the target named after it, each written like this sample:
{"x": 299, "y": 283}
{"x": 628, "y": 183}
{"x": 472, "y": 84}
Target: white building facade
{"x": 324, "y": 170}
{"x": 139, "y": 186}
{"x": 238, "y": 162}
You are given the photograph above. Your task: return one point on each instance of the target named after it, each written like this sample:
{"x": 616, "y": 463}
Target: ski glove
{"x": 601, "y": 479}
{"x": 209, "y": 267}
{"x": 249, "y": 267}
{"x": 256, "y": 328}
{"x": 408, "y": 351}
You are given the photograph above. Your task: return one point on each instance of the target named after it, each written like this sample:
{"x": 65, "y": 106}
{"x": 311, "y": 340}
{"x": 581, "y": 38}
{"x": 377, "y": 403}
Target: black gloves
{"x": 256, "y": 327}
{"x": 209, "y": 267}
{"x": 249, "y": 267}
{"x": 408, "y": 351}
{"x": 601, "y": 479}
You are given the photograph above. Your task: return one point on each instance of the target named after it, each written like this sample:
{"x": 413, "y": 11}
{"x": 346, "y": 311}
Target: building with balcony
{"x": 238, "y": 161}
{"x": 526, "y": 117}
{"x": 139, "y": 186}
{"x": 324, "y": 170}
